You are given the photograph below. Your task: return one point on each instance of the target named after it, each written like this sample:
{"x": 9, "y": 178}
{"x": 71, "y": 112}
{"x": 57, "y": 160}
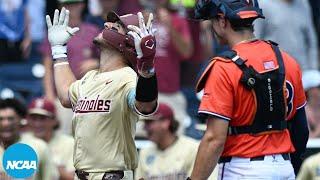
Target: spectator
{"x": 119, "y": 6}
{"x": 171, "y": 156}
{"x": 174, "y": 45}
{"x": 311, "y": 84}
{"x": 315, "y": 6}
{"x": 106, "y": 7}
{"x": 202, "y": 42}
{"x": 36, "y": 9}
{"x": 129, "y": 6}
{"x": 94, "y": 7}
{"x": 14, "y": 31}
{"x": 310, "y": 168}
{"x": 82, "y": 55}
{"x": 11, "y": 114}
{"x": 42, "y": 117}
{"x": 289, "y": 23}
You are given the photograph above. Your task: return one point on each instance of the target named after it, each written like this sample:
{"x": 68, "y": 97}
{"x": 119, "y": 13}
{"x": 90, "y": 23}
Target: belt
{"x": 285, "y": 156}
{"x": 82, "y": 175}
{"x": 110, "y": 175}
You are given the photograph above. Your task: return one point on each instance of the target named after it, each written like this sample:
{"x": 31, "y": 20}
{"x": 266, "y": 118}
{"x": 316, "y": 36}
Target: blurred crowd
{"x": 184, "y": 47}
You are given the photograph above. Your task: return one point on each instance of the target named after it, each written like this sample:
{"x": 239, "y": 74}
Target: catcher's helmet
{"x": 232, "y": 9}
{"x": 123, "y": 43}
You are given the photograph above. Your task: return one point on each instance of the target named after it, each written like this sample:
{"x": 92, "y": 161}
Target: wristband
{"x": 59, "y": 51}
{"x": 61, "y": 64}
{"x": 147, "y": 89}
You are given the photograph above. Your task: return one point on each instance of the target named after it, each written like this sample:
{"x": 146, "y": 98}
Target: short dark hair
{"x": 14, "y": 104}
{"x": 241, "y": 25}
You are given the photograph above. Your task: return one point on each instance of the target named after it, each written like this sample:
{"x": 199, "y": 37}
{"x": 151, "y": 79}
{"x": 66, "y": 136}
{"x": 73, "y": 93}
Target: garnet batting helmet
{"x": 123, "y": 43}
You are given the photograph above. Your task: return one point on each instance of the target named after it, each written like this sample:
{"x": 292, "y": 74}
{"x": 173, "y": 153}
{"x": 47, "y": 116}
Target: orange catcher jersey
{"x": 225, "y": 97}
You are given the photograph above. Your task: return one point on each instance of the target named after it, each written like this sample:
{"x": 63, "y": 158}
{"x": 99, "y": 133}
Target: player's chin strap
{"x": 269, "y": 92}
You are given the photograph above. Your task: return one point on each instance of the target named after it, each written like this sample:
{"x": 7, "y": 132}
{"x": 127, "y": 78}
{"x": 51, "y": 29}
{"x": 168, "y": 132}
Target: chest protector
{"x": 269, "y": 92}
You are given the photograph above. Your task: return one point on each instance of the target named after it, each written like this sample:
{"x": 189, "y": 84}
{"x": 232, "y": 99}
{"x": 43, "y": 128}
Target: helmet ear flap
{"x": 130, "y": 51}
{"x": 129, "y": 41}
{"x": 123, "y": 43}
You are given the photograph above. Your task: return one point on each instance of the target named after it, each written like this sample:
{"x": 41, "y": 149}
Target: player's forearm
{"x": 63, "y": 78}
{"x": 146, "y": 94}
{"x": 209, "y": 147}
{"x": 48, "y": 78}
{"x": 183, "y": 45}
{"x": 299, "y": 133}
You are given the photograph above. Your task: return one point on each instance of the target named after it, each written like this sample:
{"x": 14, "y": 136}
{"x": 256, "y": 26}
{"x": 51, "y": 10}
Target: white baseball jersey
{"x": 175, "y": 162}
{"x": 103, "y": 124}
{"x": 61, "y": 146}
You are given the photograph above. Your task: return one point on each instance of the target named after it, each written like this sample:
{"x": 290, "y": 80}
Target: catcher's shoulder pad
{"x": 204, "y": 76}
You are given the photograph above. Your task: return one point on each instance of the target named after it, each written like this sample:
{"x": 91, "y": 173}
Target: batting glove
{"x": 145, "y": 45}
{"x": 59, "y": 33}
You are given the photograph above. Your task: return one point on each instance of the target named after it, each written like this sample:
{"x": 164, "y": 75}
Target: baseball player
{"x": 42, "y": 118}
{"x": 11, "y": 113}
{"x": 310, "y": 168}
{"x": 251, "y": 95}
{"x": 168, "y": 149}
{"x": 107, "y": 101}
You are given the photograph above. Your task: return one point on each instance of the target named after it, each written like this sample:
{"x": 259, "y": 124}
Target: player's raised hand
{"x": 145, "y": 44}
{"x": 59, "y": 32}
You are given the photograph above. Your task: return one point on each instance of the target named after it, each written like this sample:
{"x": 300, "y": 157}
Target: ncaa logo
{"x": 20, "y": 161}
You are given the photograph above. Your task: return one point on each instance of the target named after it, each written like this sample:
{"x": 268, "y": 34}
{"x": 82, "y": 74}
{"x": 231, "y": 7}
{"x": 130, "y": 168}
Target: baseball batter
{"x": 253, "y": 100}
{"x": 107, "y": 101}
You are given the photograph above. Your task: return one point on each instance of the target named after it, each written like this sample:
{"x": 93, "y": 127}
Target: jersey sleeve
{"x": 130, "y": 94}
{"x": 74, "y": 91}
{"x": 217, "y": 99}
{"x": 300, "y": 97}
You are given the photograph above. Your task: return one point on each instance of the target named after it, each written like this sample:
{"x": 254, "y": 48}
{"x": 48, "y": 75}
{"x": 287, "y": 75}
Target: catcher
{"x": 253, "y": 100}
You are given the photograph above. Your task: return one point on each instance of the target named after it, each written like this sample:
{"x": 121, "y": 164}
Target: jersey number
{"x": 289, "y": 97}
